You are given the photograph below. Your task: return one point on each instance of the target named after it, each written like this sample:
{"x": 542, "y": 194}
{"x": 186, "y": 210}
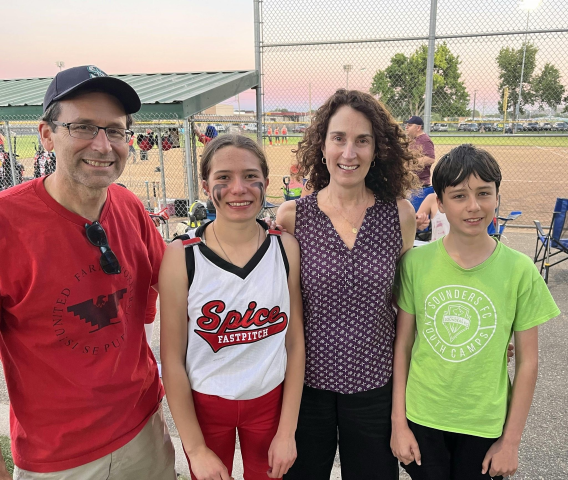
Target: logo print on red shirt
{"x": 237, "y": 329}
{"x": 100, "y": 313}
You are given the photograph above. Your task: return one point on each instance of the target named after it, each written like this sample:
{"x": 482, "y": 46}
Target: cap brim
{"x": 124, "y": 93}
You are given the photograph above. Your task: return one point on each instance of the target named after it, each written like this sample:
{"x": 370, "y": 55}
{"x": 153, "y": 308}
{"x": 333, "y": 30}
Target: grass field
{"x": 7, "y": 453}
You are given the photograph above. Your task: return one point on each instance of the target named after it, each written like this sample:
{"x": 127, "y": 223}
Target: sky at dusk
{"x": 147, "y": 36}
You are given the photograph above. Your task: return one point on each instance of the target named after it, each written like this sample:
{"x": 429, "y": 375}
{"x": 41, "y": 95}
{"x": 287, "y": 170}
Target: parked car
{"x": 487, "y": 127}
{"x": 440, "y": 127}
{"x": 531, "y": 127}
{"x": 546, "y": 126}
{"x": 560, "y": 126}
{"x": 461, "y": 127}
{"x": 251, "y": 127}
{"x": 299, "y": 128}
{"x": 220, "y": 127}
{"x": 471, "y": 127}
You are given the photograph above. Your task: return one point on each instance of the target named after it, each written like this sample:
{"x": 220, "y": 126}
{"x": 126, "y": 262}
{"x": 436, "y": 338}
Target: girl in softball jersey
{"x": 232, "y": 343}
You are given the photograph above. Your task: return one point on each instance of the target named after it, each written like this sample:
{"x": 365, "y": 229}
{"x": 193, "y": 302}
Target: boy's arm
{"x": 282, "y": 452}
{"x": 502, "y": 457}
{"x": 403, "y": 443}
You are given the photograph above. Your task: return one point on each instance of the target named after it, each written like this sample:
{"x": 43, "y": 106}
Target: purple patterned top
{"x": 347, "y": 296}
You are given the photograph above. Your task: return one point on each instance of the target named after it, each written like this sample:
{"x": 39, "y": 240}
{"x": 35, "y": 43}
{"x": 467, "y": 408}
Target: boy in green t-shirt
{"x": 455, "y": 415}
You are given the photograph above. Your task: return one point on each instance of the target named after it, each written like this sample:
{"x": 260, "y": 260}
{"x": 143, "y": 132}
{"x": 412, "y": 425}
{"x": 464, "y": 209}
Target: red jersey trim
{"x": 275, "y": 232}
{"x": 191, "y": 242}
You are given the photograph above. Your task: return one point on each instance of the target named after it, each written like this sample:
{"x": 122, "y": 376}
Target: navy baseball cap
{"x": 415, "y": 120}
{"x": 90, "y": 77}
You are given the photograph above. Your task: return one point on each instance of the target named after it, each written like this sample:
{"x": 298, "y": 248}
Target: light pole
{"x": 529, "y": 6}
{"x": 60, "y": 64}
{"x": 347, "y": 69}
{"x": 473, "y": 112}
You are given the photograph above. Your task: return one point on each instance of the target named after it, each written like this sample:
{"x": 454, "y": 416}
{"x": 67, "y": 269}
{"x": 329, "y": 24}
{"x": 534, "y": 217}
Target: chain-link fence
{"x": 484, "y": 56}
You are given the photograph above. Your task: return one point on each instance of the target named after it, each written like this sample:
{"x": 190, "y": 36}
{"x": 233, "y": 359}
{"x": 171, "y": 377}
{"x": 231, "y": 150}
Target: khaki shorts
{"x": 148, "y": 456}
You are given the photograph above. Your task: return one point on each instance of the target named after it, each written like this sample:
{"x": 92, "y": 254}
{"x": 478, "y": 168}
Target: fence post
{"x": 188, "y": 134}
{"x": 163, "y": 177}
{"x": 195, "y": 175}
{"x": 12, "y": 156}
{"x": 258, "y": 68}
{"x": 430, "y": 66}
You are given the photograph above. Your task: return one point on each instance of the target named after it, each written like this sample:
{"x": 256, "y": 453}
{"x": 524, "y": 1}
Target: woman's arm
{"x": 282, "y": 452}
{"x": 403, "y": 443}
{"x": 407, "y": 218}
{"x": 286, "y": 217}
{"x": 503, "y": 456}
{"x": 173, "y": 285}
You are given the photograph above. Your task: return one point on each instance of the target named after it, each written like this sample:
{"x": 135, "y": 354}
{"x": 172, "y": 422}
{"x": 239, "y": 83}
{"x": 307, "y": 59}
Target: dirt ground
{"x": 532, "y": 177}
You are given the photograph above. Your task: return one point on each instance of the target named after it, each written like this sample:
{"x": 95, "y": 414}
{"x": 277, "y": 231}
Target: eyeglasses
{"x": 97, "y": 236}
{"x": 85, "y": 131}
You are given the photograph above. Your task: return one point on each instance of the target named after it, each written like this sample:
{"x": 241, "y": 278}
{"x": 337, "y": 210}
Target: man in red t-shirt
{"x": 75, "y": 273}
{"x": 422, "y": 143}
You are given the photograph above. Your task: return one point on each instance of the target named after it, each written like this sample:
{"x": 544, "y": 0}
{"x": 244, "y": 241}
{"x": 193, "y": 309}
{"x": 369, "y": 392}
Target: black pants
{"x": 363, "y": 421}
{"x": 448, "y": 456}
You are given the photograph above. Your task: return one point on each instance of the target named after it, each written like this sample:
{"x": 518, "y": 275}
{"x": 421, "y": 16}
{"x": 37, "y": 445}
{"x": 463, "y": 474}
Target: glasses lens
{"x": 117, "y": 135}
{"x": 83, "y": 131}
{"x": 96, "y": 234}
{"x": 109, "y": 262}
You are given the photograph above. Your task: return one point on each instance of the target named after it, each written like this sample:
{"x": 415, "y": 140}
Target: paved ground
{"x": 543, "y": 453}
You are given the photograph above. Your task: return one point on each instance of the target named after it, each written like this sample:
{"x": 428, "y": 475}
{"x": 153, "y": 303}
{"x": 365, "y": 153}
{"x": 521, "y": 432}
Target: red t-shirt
{"x": 151, "y": 309}
{"x": 425, "y": 147}
{"x": 81, "y": 378}
{"x": 204, "y": 139}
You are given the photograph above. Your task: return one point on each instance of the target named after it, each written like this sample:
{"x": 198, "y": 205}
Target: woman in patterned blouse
{"x": 352, "y": 230}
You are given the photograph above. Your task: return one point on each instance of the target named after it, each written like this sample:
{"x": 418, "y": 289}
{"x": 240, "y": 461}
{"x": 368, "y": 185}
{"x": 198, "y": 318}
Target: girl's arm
{"x": 403, "y": 443}
{"x": 503, "y": 456}
{"x": 173, "y": 285}
{"x": 282, "y": 452}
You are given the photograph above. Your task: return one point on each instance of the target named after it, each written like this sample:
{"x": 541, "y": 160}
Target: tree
{"x": 402, "y": 85}
{"x": 510, "y": 63}
{"x": 547, "y": 87}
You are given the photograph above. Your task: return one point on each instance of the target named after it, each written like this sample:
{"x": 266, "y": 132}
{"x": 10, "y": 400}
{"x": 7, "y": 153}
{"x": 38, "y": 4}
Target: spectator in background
{"x": 210, "y": 134}
{"x": 421, "y": 143}
{"x": 131, "y": 149}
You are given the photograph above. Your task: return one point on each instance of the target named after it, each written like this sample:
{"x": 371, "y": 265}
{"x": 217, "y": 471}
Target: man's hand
{"x": 281, "y": 455}
{"x": 404, "y": 445}
{"x": 501, "y": 459}
{"x": 205, "y": 465}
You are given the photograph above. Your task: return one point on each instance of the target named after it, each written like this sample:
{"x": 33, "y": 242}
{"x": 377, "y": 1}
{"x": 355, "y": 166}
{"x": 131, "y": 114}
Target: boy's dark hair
{"x": 459, "y": 163}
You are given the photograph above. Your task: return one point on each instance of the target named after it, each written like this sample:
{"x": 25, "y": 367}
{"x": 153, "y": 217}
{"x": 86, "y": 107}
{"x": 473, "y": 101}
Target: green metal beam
{"x": 13, "y": 113}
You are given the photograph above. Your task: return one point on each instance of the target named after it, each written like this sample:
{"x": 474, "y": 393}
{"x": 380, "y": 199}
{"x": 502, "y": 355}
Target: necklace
{"x": 354, "y": 229}
{"x": 221, "y": 246}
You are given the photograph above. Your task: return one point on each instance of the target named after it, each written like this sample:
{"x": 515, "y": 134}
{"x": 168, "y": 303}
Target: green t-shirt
{"x": 458, "y": 380}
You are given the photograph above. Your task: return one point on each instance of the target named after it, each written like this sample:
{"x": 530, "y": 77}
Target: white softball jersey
{"x": 238, "y": 318}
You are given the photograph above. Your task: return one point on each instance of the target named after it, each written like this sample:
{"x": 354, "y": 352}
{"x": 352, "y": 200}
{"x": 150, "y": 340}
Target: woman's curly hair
{"x": 392, "y": 175}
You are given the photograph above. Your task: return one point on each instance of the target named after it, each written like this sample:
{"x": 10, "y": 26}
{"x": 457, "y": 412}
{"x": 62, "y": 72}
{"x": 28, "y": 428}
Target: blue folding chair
{"x": 497, "y": 226}
{"x": 419, "y": 195}
{"x": 556, "y": 238}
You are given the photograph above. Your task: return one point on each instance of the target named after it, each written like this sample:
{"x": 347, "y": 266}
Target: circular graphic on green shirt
{"x": 459, "y": 322}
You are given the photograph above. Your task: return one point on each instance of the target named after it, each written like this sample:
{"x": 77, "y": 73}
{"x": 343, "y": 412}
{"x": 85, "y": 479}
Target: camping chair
{"x": 268, "y": 210}
{"x": 290, "y": 193}
{"x": 497, "y": 226}
{"x": 556, "y": 238}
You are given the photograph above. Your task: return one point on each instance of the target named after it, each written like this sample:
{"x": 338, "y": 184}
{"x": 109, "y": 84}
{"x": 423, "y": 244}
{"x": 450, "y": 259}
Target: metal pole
{"x": 12, "y": 155}
{"x": 148, "y": 196}
{"x": 187, "y": 134}
{"x": 163, "y": 177}
{"x": 195, "y": 175}
{"x": 522, "y": 71}
{"x": 258, "y": 68}
{"x": 473, "y": 112}
{"x": 430, "y": 66}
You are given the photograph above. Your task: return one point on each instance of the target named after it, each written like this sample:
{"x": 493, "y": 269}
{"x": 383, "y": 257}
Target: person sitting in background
{"x": 429, "y": 210}
{"x": 210, "y": 134}
{"x": 296, "y": 182}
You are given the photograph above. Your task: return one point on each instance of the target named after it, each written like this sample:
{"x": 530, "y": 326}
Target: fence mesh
{"x": 482, "y": 50}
